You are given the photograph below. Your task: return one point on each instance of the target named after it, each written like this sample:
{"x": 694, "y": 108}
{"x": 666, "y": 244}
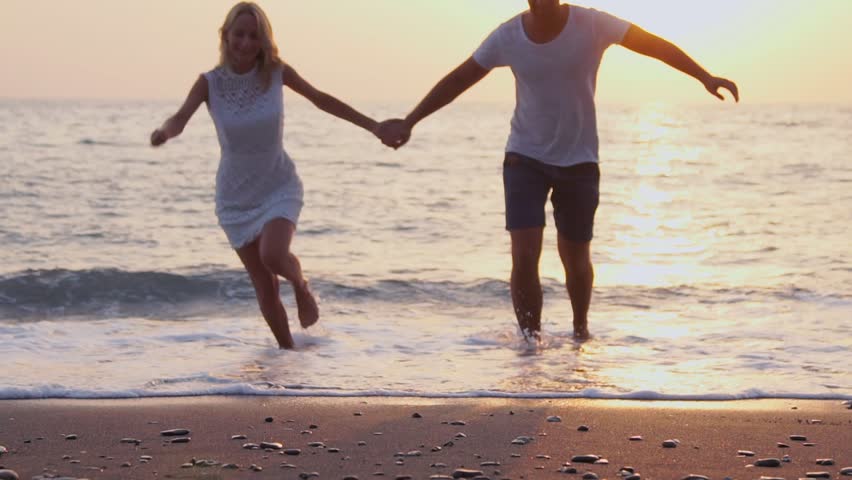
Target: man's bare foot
{"x": 307, "y": 305}
{"x": 581, "y": 333}
{"x": 531, "y": 336}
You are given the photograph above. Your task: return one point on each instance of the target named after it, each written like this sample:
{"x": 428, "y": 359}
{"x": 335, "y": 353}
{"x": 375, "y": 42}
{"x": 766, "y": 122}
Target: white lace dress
{"x": 256, "y": 181}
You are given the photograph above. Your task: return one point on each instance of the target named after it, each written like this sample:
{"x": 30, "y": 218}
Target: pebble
{"x": 146, "y": 458}
{"x": 693, "y": 476}
{"x": 181, "y": 440}
{"x": 670, "y": 444}
{"x": 268, "y": 419}
{"x": 745, "y": 453}
{"x": 627, "y": 469}
{"x": 238, "y": 437}
{"x": 786, "y": 459}
{"x": 292, "y": 451}
{"x": 438, "y": 465}
{"x": 771, "y": 478}
{"x": 458, "y": 423}
{"x": 175, "y": 432}
{"x": 436, "y": 448}
{"x": 333, "y": 450}
{"x": 782, "y": 445}
{"x": 313, "y": 427}
{"x": 602, "y": 461}
{"x": 543, "y": 457}
{"x": 271, "y": 445}
{"x": 230, "y": 466}
{"x": 466, "y": 473}
{"x": 818, "y": 475}
{"x": 71, "y": 437}
{"x": 306, "y": 475}
{"x": 567, "y": 469}
{"x": 460, "y": 435}
{"x": 404, "y": 477}
{"x": 798, "y": 438}
{"x": 130, "y": 440}
{"x": 768, "y": 462}
{"x": 846, "y": 471}
{"x": 8, "y": 475}
{"x": 126, "y": 465}
{"x": 416, "y": 415}
{"x": 522, "y": 440}
{"x": 590, "y": 476}
{"x": 3, "y": 450}
{"x": 490, "y": 464}
{"x": 362, "y": 443}
{"x": 350, "y": 477}
{"x": 636, "y": 438}
{"x": 585, "y": 458}
{"x": 583, "y": 428}
{"x": 633, "y": 476}
{"x": 358, "y": 414}
{"x": 316, "y": 445}
{"x": 307, "y": 432}
{"x": 809, "y": 444}
{"x": 255, "y": 468}
{"x": 440, "y": 477}
{"x": 554, "y": 419}
{"x": 251, "y": 446}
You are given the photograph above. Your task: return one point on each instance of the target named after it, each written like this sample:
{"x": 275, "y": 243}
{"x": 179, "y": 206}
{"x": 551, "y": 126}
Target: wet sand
{"x": 399, "y": 438}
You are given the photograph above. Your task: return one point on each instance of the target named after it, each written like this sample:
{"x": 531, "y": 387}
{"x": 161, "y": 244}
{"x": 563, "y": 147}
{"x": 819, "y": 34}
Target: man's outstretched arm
{"x": 395, "y": 133}
{"x": 653, "y": 46}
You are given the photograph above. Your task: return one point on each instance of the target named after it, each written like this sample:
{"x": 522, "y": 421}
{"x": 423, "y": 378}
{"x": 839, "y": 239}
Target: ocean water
{"x": 722, "y": 255}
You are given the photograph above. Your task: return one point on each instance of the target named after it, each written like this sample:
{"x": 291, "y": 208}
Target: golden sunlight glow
{"x": 777, "y": 50}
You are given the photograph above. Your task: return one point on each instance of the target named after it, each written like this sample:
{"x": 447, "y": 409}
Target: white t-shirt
{"x": 554, "y": 120}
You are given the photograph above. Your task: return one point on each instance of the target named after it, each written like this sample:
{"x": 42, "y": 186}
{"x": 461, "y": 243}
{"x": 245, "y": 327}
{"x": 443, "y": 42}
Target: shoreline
{"x": 417, "y": 437}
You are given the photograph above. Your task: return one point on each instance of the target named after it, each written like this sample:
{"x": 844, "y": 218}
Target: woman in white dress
{"x": 258, "y": 191}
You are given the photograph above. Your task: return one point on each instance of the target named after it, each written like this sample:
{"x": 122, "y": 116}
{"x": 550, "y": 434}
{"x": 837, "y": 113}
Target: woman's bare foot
{"x": 581, "y": 333}
{"x": 307, "y": 305}
{"x": 286, "y": 344}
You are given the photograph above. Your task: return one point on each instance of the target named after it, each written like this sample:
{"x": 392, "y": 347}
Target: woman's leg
{"x": 266, "y": 287}
{"x": 274, "y": 244}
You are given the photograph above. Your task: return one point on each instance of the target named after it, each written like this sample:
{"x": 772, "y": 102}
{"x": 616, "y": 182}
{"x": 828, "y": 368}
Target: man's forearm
{"x": 678, "y": 59}
{"x": 447, "y": 90}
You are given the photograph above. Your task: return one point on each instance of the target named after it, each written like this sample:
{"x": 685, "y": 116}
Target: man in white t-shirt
{"x": 554, "y": 51}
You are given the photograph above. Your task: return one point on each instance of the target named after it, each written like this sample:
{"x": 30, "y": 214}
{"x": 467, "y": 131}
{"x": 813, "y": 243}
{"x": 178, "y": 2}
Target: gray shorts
{"x": 526, "y": 184}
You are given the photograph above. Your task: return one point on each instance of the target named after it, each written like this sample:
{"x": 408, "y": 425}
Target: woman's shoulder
{"x": 217, "y": 71}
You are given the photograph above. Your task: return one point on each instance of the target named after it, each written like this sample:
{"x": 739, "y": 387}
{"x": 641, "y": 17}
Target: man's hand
{"x": 713, "y": 84}
{"x": 394, "y": 132}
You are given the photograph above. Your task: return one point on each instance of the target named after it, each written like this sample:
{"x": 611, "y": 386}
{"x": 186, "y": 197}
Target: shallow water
{"x": 723, "y": 267}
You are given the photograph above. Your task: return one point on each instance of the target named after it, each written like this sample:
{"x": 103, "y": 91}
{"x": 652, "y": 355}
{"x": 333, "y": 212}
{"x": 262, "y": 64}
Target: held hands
{"x": 713, "y": 84}
{"x": 394, "y": 132}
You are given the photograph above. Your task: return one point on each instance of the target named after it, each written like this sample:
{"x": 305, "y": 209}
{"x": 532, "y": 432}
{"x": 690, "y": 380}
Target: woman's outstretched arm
{"x": 174, "y": 125}
{"x": 326, "y": 102}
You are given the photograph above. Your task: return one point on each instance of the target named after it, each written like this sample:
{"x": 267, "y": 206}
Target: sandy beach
{"x": 398, "y": 438}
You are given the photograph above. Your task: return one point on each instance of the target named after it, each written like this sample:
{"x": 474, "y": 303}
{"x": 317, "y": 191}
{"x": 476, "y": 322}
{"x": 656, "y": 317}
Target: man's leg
{"x": 525, "y": 283}
{"x": 575, "y": 200}
{"x": 579, "y": 278}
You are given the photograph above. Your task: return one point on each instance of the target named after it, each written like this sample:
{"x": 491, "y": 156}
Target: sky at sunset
{"x": 395, "y": 50}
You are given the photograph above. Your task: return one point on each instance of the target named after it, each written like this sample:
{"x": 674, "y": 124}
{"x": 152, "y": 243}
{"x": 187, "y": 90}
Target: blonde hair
{"x": 268, "y": 58}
